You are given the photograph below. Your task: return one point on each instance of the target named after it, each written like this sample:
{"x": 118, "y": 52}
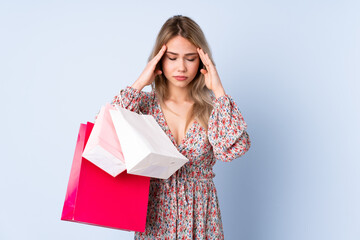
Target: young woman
{"x": 203, "y": 122}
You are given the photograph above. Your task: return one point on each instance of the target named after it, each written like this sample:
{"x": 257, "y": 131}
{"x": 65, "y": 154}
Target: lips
{"x": 180, "y": 78}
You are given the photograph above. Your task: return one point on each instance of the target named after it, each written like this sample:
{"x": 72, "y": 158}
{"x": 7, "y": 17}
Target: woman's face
{"x": 180, "y": 63}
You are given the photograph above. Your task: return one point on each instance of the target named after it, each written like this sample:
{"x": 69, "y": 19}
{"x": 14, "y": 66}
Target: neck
{"x": 178, "y": 94}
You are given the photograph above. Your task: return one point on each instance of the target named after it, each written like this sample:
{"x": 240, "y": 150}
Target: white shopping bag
{"x": 147, "y": 150}
{"x": 103, "y": 147}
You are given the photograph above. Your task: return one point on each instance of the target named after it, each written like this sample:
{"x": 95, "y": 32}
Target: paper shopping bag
{"x": 147, "y": 150}
{"x": 103, "y": 147}
{"x": 95, "y": 197}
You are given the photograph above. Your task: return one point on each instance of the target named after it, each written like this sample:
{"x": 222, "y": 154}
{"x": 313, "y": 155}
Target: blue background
{"x": 291, "y": 66}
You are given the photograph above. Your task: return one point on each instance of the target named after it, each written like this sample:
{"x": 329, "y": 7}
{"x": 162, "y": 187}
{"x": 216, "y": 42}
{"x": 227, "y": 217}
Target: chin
{"x": 182, "y": 84}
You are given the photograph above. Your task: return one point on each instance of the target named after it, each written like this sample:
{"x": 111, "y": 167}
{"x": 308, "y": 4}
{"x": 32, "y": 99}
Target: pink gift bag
{"x": 95, "y": 197}
{"x": 103, "y": 147}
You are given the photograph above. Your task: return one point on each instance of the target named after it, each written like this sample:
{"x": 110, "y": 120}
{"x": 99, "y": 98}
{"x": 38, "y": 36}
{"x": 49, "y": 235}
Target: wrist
{"x": 219, "y": 92}
{"x": 137, "y": 85}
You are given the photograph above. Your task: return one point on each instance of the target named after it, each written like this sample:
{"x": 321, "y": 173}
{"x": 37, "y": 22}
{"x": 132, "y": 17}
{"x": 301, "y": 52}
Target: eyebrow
{"x": 187, "y": 54}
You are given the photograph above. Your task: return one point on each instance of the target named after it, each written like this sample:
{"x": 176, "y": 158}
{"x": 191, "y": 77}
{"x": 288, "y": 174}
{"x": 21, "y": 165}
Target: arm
{"x": 227, "y": 130}
{"x": 134, "y": 100}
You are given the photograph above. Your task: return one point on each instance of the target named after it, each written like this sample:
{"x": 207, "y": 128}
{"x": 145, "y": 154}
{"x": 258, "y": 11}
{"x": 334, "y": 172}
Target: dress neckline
{"x": 183, "y": 141}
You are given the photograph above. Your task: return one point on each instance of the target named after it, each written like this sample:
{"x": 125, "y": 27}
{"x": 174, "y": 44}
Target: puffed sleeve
{"x": 134, "y": 100}
{"x": 227, "y": 130}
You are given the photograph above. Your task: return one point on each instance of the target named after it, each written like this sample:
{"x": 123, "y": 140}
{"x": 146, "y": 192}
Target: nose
{"x": 182, "y": 66}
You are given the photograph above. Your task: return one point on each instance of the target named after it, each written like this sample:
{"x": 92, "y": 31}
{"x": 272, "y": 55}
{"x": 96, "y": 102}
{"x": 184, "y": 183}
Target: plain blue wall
{"x": 292, "y": 67}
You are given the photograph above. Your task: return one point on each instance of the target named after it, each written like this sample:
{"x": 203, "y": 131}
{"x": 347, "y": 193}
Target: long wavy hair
{"x": 179, "y": 25}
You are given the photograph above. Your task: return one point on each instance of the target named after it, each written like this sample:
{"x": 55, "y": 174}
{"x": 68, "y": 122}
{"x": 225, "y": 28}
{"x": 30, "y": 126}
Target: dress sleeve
{"x": 227, "y": 130}
{"x": 134, "y": 100}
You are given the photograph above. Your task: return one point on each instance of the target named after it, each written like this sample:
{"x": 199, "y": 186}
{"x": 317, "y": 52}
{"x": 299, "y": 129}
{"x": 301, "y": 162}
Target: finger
{"x": 207, "y": 63}
{"x": 160, "y": 54}
{"x": 208, "y": 60}
{"x": 202, "y": 56}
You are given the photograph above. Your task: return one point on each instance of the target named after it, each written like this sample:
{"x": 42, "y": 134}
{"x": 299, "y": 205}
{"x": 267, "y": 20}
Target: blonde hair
{"x": 186, "y": 27}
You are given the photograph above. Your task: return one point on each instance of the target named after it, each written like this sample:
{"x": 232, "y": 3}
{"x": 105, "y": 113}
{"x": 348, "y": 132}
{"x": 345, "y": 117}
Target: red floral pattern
{"x": 185, "y": 206}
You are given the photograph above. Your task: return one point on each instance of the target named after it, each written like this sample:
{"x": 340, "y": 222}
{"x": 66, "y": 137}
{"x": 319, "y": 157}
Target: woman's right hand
{"x": 150, "y": 71}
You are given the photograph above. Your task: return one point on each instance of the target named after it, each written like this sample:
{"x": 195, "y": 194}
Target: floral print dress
{"x": 185, "y": 206}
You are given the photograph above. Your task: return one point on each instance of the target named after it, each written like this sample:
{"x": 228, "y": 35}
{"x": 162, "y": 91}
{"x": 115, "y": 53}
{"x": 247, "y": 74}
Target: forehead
{"x": 180, "y": 45}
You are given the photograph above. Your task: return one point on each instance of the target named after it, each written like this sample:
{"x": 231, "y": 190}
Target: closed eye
{"x": 173, "y": 59}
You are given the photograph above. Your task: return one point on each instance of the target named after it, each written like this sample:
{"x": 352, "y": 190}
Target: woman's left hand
{"x": 212, "y": 79}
